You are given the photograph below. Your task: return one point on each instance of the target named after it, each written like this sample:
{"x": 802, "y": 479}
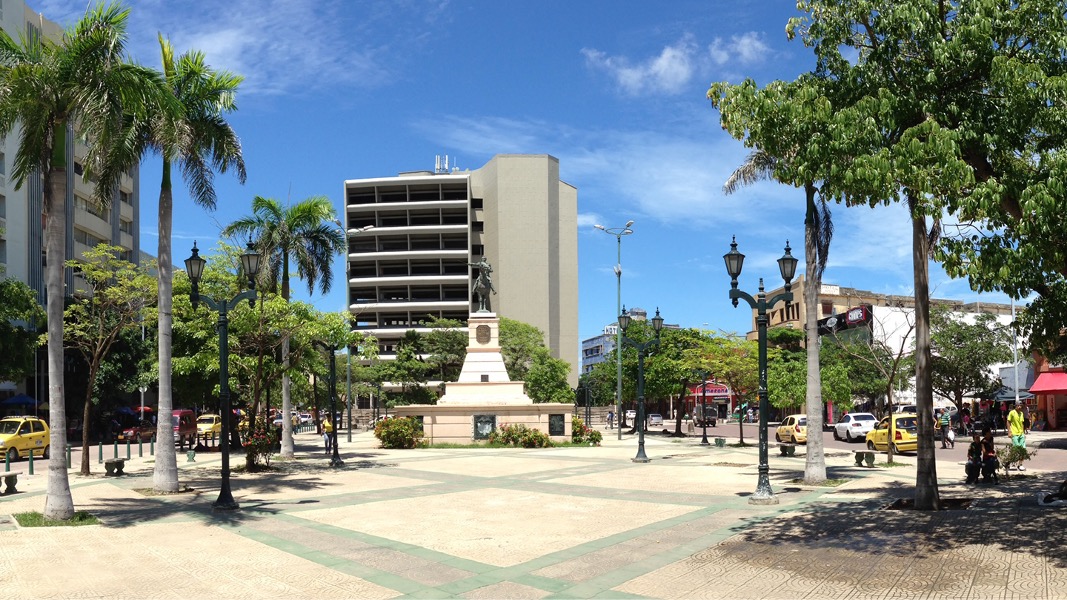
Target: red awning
{"x": 1050, "y": 383}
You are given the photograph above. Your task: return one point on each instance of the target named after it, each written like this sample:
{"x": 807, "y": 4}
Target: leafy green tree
{"x": 518, "y": 342}
{"x": 734, "y": 361}
{"x": 408, "y": 369}
{"x": 964, "y": 354}
{"x": 116, "y": 296}
{"x": 20, "y": 314}
{"x": 546, "y": 379}
{"x": 306, "y": 233}
{"x": 446, "y": 344}
{"x": 189, "y": 129}
{"x": 83, "y": 83}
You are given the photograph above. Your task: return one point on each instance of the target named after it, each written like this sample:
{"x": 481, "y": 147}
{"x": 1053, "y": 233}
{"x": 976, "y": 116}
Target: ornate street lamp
{"x": 194, "y": 266}
{"x": 788, "y": 266}
{"x": 335, "y": 460}
{"x": 642, "y": 350}
{"x": 618, "y": 232}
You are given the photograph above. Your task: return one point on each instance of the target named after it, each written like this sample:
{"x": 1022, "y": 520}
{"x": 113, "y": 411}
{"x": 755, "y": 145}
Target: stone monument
{"x": 485, "y": 398}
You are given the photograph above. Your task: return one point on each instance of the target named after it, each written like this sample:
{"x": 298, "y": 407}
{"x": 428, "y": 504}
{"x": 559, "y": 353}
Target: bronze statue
{"x": 483, "y": 284}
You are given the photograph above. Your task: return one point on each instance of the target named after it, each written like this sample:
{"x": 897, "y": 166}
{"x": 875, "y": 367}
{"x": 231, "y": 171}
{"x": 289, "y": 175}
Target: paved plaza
{"x": 553, "y": 523}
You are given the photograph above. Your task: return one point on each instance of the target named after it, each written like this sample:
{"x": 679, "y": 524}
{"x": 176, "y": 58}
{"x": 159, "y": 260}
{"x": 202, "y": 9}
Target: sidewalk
{"x": 555, "y": 523}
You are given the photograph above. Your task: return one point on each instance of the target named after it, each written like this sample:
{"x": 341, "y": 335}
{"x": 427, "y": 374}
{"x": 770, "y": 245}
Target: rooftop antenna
{"x": 437, "y": 163}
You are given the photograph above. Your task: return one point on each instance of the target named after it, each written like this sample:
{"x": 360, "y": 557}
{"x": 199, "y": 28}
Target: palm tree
{"x": 306, "y": 233}
{"x": 818, "y": 231}
{"x": 82, "y": 84}
{"x": 196, "y": 135}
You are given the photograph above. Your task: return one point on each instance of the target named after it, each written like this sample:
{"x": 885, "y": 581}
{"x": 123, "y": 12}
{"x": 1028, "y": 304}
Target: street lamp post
{"x": 194, "y": 266}
{"x": 788, "y": 266}
{"x": 335, "y": 460}
{"x": 704, "y": 406}
{"x": 642, "y": 350}
{"x": 618, "y": 232}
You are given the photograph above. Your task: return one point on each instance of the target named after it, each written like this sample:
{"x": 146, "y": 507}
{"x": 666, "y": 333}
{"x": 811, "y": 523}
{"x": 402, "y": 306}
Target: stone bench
{"x": 864, "y": 456}
{"x": 10, "y": 481}
{"x": 720, "y": 442}
{"x": 787, "y": 449}
{"x": 114, "y": 467}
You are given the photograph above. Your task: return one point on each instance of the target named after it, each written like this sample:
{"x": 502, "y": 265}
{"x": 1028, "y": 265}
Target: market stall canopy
{"x": 19, "y": 400}
{"x": 1050, "y": 383}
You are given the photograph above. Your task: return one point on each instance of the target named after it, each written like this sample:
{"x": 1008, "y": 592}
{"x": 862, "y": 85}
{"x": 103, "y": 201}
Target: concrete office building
{"x": 413, "y": 237}
{"x": 21, "y": 243}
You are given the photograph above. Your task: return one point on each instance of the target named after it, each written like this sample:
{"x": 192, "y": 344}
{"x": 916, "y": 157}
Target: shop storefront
{"x": 1050, "y": 391}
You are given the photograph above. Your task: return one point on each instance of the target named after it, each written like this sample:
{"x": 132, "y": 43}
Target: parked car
{"x": 631, "y": 415}
{"x": 855, "y": 426}
{"x": 19, "y": 436}
{"x": 793, "y": 429}
{"x": 208, "y": 425}
{"x": 143, "y": 431}
{"x": 655, "y": 419}
{"x": 305, "y": 418}
{"x": 905, "y": 432}
{"x": 184, "y": 421}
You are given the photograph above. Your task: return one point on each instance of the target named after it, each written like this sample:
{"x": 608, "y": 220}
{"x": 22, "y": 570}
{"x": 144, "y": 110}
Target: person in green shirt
{"x": 1017, "y": 428}
{"x": 946, "y": 426}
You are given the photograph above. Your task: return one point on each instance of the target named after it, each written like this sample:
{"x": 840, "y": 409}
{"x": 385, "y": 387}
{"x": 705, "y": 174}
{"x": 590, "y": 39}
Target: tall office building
{"x": 21, "y": 243}
{"x": 413, "y": 239}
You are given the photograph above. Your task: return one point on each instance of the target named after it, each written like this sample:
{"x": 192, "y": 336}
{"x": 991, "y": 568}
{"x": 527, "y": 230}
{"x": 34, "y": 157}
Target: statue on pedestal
{"x": 484, "y": 284}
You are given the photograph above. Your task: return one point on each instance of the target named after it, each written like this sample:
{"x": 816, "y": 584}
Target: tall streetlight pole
{"x": 642, "y": 350}
{"x": 704, "y": 406}
{"x": 335, "y": 460}
{"x": 618, "y": 232}
{"x": 788, "y": 266}
{"x": 194, "y": 265}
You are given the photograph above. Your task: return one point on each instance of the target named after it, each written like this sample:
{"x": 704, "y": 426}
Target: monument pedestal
{"x": 485, "y": 398}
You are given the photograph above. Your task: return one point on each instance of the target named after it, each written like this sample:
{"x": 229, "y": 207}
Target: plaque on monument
{"x": 483, "y": 426}
{"x": 556, "y": 425}
{"x": 483, "y": 334}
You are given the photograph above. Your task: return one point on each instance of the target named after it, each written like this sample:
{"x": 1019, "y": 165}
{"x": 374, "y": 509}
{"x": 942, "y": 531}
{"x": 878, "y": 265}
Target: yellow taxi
{"x": 21, "y": 435}
{"x": 793, "y": 429}
{"x": 905, "y": 434}
{"x": 206, "y": 425}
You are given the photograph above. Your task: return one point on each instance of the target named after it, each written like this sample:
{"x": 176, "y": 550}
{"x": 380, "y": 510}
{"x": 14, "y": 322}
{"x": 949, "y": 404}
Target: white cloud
{"x": 744, "y": 49}
{"x": 669, "y": 72}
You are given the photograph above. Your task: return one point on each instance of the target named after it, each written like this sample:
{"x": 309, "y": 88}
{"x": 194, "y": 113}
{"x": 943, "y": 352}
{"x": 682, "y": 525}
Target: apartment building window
{"x": 84, "y": 237}
{"x": 92, "y": 208}
{"x": 78, "y": 168}
{"x": 125, "y": 197}
{"x": 3, "y": 164}
{"x": 126, "y": 226}
{"x": 827, "y": 309}
{"x": 477, "y": 249}
{"x": 477, "y": 226}
{"x": 477, "y": 202}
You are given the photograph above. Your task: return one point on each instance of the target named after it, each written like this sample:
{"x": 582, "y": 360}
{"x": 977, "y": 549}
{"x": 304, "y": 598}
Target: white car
{"x": 631, "y": 415}
{"x": 655, "y": 419}
{"x": 854, "y": 427}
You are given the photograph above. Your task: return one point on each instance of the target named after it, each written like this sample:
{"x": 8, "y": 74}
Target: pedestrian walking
{"x": 327, "y": 434}
{"x": 1017, "y": 428}
{"x": 611, "y": 419}
{"x": 947, "y": 440}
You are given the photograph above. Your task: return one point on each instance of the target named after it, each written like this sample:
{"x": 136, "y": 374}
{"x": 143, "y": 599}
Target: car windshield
{"x": 861, "y": 417}
{"x": 207, "y": 420}
{"x": 8, "y": 427}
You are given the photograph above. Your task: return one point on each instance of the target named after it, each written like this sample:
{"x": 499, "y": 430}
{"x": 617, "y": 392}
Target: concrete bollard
{"x": 140, "y": 448}
{"x": 70, "y": 450}
{"x": 7, "y": 462}
{"x": 190, "y": 456}
{"x": 31, "y": 461}
{"x": 100, "y": 448}
{"x": 115, "y": 451}
{"x": 127, "y": 449}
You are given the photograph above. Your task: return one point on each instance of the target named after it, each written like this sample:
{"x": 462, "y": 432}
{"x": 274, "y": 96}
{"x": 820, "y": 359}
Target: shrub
{"x": 1011, "y": 455}
{"x": 260, "y": 444}
{"x": 399, "y": 432}
{"x": 519, "y": 435}
{"x": 583, "y": 434}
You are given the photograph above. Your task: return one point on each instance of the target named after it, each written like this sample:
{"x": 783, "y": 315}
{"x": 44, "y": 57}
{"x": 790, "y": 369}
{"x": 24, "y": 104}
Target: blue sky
{"x": 338, "y": 90}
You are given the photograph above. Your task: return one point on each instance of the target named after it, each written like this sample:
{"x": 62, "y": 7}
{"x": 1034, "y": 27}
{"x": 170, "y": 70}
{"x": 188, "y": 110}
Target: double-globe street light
{"x": 335, "y": 460}
{"x": 194, "y": 266}
{"x": 618, "y": 232}
{"x": 788, "y": 267}
{"x": 642, "y": 350}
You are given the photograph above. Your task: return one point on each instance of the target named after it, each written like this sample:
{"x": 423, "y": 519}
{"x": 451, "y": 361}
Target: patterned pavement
{"x": 556, "y": 523}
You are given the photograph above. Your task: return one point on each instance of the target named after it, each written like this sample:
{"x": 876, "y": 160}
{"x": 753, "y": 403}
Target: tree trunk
{"x": 288, "y": 446}
{"x": 815, "y": 461}
{"x": 87, "y": 413}
{"x": 58, "y": 503}
{"x": 926, "y": 493}
{"x": 165, "y": 471}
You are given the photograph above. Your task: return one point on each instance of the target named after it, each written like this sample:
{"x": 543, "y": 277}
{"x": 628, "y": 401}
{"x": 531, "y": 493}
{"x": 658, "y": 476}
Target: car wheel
{"x": 836, "y": 437}
{"x": 870, "y": 446}
{"x": 12, "y": 455}
{"x": 45, "y": 453}
{"x": 848, "y": 436}
{"x": 777, "y": 437}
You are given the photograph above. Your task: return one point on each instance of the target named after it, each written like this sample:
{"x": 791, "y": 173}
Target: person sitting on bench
{"x": 990, "y": 462}
{"x": 974, "y": 458}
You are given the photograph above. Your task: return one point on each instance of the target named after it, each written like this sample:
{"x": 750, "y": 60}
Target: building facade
{"x": 595, "y": 350}
{"x": 414, "y": 240}
{"x": 87, "y": 224}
